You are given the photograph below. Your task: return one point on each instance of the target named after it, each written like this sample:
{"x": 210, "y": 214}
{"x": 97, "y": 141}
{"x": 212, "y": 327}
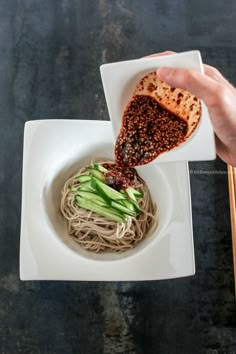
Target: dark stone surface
{"x": 49, "y": 68}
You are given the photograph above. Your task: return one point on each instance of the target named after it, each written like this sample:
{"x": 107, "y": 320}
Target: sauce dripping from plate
{"x": 157, "y": 119}
{"x": 119, "y": 177}
{"x": 147, "y": 131}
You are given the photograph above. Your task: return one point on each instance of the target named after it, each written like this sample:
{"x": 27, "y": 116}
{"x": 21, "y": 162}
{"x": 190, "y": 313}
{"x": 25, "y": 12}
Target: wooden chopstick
{"x": 232, "y": 200}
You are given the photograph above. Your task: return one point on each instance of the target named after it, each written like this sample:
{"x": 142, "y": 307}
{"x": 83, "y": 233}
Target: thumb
{"x": 198, "y": 84}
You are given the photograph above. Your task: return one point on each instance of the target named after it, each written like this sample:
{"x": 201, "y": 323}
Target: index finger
{"x": 202, "y": 86}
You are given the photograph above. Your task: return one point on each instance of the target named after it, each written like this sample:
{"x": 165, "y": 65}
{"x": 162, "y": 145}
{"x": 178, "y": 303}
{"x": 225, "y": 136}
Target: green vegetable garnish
{"x": 94, "y": 194}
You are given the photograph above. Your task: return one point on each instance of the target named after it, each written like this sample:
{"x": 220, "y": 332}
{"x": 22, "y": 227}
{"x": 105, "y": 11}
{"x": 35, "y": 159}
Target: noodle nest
{"x": 97, "y": 234}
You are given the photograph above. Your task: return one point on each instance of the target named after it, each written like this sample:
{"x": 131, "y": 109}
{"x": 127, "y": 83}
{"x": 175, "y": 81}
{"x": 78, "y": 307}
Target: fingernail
{"x": 164, "y": 73}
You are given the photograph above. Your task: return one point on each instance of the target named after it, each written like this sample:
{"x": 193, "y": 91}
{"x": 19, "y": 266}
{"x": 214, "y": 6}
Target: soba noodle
{"x": 95, "y": 233}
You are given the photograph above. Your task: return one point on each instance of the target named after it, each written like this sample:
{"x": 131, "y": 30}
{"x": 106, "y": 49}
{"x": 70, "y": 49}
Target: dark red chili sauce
{"x": 147, "y": 131}
{"x": 119, "y": 177}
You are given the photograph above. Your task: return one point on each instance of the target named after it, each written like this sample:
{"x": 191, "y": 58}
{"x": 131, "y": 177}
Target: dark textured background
{"x": 50, "y": 52}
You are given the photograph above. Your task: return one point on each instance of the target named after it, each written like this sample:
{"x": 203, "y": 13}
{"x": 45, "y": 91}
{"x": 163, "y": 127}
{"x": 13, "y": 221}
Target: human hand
{"x": 218, "y": 95}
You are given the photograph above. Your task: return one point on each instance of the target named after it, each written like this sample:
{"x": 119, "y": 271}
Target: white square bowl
{"x": 53, "y": 150}
{"x": 119, "y": 81}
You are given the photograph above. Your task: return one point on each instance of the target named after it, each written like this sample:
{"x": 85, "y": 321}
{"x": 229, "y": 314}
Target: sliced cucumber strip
{"x": 122, "y": 208}
{"x": 91, "y": 196}
{"x": 106, "y": 190}
{"x": 101, "y": 192}
{"x": 128, "y": 204}
{"x": 96, "y": 173}
{"x": 134, "y": 191}
{"x": 86, "y": 185}
{"x": 133, "y": 199}
{"x": 100, "y": 167}
{"x": 109, "y": 213}
{"x": 85, "y": 188}
{"x": 83, "y": 178}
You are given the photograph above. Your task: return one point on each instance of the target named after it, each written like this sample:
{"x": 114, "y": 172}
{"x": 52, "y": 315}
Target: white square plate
{"x": 53, "y": 150}
{"x": 119, "y": 81}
